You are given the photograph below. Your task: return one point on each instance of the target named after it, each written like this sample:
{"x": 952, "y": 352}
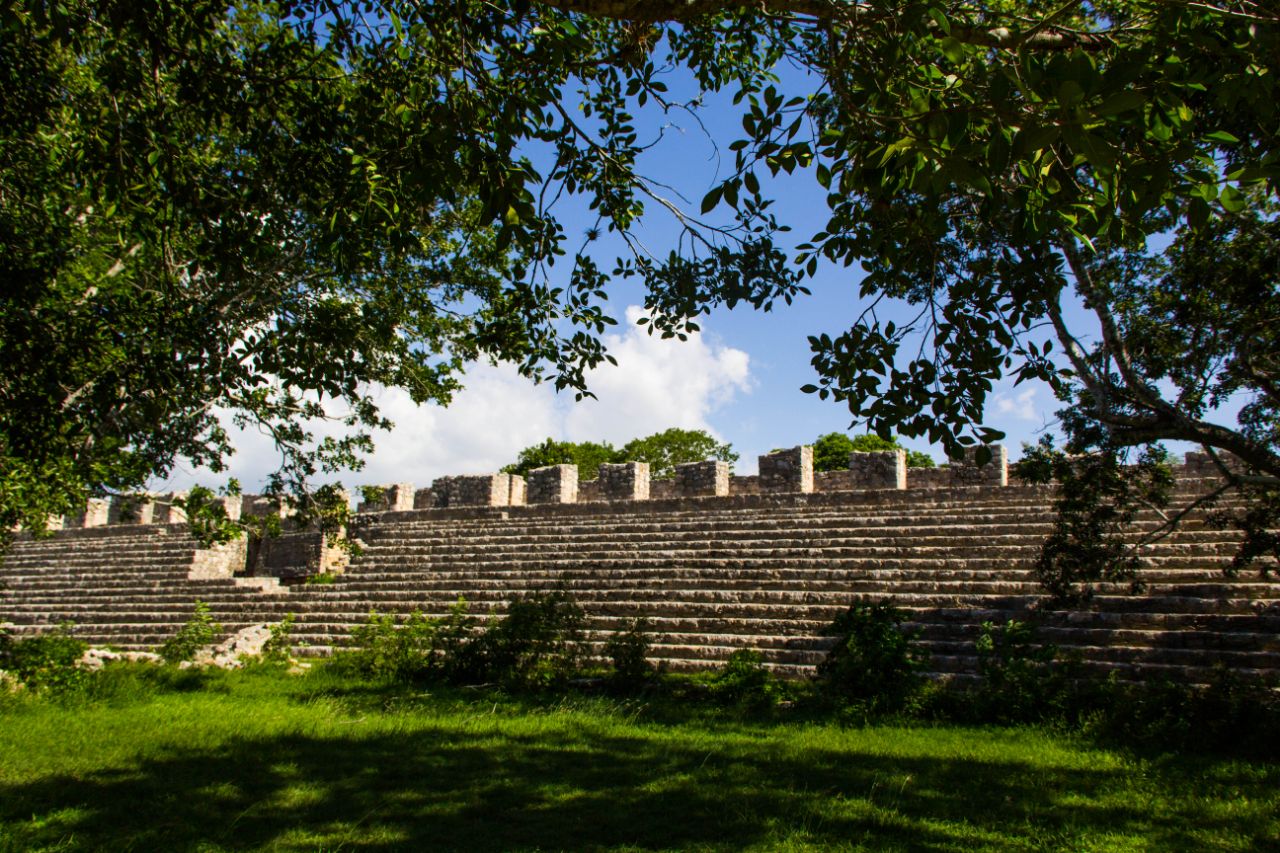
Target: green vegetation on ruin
{"x": 153, "y": 758}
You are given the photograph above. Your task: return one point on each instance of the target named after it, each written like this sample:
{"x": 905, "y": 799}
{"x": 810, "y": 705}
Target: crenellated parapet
{"x": 782, "y": 472}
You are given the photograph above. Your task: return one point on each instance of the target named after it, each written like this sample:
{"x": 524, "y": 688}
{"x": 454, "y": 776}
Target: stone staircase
{"x": 711, "y": 575}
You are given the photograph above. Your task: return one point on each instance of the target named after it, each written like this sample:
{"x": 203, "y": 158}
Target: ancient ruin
{"x": 715, "y": 562}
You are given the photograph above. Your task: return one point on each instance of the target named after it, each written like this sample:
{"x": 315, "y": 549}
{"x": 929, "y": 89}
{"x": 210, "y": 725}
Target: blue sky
{"x": 739, "y": 379}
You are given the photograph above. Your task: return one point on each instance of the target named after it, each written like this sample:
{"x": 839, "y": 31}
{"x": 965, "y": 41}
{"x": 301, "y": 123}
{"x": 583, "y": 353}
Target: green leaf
{"x": 1231, "y": 199}
{"x": 711, "y": 199}
{"x": 1120, "y": 102}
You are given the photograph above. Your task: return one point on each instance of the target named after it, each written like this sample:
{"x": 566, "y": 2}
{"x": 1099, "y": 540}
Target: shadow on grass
{"x": 486, "y": 790}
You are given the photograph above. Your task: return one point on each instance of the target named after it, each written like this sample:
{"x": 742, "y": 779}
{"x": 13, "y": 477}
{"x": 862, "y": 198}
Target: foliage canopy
{"x": 831, "y": 451}
{"x": 260, "y": 211}
{"x": 662, "y": 450}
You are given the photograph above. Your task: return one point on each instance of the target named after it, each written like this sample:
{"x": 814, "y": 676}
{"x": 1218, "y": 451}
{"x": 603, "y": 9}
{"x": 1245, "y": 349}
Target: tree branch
{"x": 1040, "y": 36}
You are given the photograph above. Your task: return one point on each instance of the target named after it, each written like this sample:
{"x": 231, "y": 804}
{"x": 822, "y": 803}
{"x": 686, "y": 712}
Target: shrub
{"x": 1019, "y": 683}
{"x": 200, "y": 630}
{"x": 1231, "y": 713}
{"x": 874, "y": 667}
{"x": 629, "y": 651}
{"x": 46, "y": 661}
{"x": 279, "y": 646}
{"x": 385, "y": 648}
{"x": 538, "y": 643}
{"x": 745, "y": 681}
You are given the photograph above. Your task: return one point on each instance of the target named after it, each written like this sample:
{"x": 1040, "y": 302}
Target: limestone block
{"x": 472, "y": 490}
{"x": 165, "y": 511}
{"x": 423, "y": 499}
{"x": 259, "y": 505}
{"x": 519, "y": 490}
{"x": 624, "y": 481}
{"x": 221, "y": 560}
{"x": 660, "y": 490}
{"x": 696, "y": 479}
{"x": 233, "y": 504}
{"x": 129, "y": 509}
{"x": 928, "y": 478}
{"x": 95, "y": 514}
{"x": 395, "y": 497}
{"x": 1198, "y": 465}
{"x": 880, "y": 469}
{"x": 590, "y": 491}
{"x": 966, "y": 472}
{"x": 749, "y": 485}
{"x": 787, "y": 470}
{"x": 554, "y": 484}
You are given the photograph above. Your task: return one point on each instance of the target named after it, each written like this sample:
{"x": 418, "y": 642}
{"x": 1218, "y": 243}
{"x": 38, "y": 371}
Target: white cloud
{"x": 656, "y": 384}
{"x": 1021, "y": 405}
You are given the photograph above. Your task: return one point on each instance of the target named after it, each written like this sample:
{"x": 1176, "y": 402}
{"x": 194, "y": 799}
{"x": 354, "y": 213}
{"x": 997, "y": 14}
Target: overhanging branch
{"x": 1039, "y": 36}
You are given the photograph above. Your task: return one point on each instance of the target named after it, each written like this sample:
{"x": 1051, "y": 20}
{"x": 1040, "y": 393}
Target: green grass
{"x": 261, "y": 761}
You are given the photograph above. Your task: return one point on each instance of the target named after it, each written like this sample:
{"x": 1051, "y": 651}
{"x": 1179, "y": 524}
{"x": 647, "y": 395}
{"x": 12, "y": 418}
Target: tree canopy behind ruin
{"x": 253, "y": 212}
{"x": 662, "y": 451}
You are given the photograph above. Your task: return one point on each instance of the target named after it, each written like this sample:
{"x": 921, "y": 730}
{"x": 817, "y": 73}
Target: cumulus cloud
{"x": 655, "y": 385}
{"x": 1021, "y": 405}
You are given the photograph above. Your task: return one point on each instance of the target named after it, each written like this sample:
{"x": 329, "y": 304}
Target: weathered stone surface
{"x": 554, "y": 484}
{"x": 166, "y": 511}
{"x": 295, "y": 555}
{"x": 519, "y": 490}
{"x": 787, "y": 470}
{"x": 231, "y": 652}
{"x": 95, "y": 658}
{"x": 884, "y": 469}
{"x": 624, "y": 481}
{"x": 471, "y": 490}
{"x": 929, "y": 478}
{"x": 95, "y": 514}
{"x": 129, "y": 509}
{"x": 260, "y": 505}
{"x": 967, "y": 472}
{"x": 219, "y": 560}
{"x": 698, "y": 479}
{"x": 423, "y": 498}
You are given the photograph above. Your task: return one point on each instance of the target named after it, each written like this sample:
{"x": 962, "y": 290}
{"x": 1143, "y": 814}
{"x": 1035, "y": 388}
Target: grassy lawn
{"x": 261, "y": 761}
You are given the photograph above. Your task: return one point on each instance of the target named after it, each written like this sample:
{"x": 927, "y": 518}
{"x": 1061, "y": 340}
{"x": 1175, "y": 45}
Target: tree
{"x": 663, "y": 451}
{"x": 587, "y": 455}
{"x": 260, "y": 209}
{"x": 669, "y": 448}
{"x": 831, "y": 451}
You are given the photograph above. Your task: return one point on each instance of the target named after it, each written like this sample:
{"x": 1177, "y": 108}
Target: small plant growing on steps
{"x": 874, "y": 666}
{"x": 279, "y": 646}
{"x": 744, "y": 680}
{"x": 388, "y": 648}
{"x": 200, "y": 630}
{"x": 1018, "y": 681}
{"x": 46, "y": 661}
{"x": 536, "y": 644}
{"x": 629, "y": 651}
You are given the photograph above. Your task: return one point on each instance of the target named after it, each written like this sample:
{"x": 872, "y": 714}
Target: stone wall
{"x": 783, "y": 472}
{"x": 477, "y": 490}
{"x": 626, "y": 481}
{"x": 700, "y": 479}
{"x": 555, "y": 484}
{"x": 787, "y": 470}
